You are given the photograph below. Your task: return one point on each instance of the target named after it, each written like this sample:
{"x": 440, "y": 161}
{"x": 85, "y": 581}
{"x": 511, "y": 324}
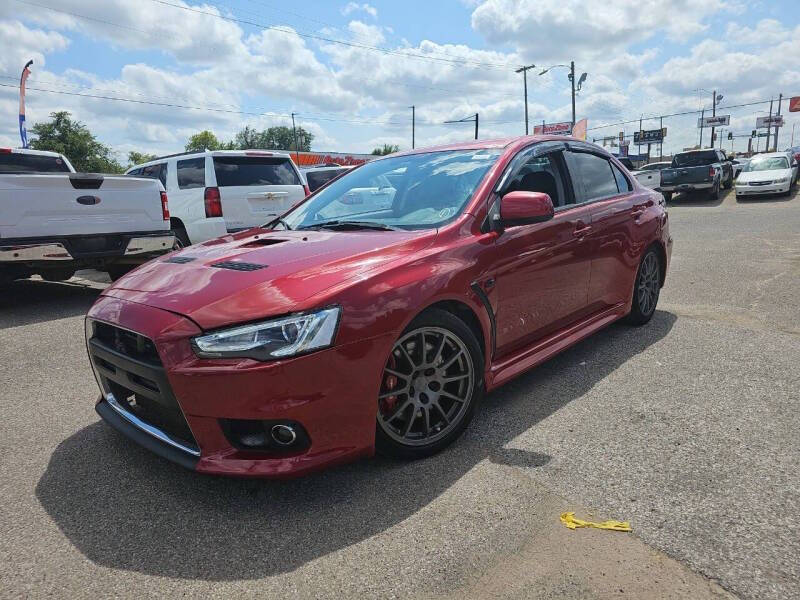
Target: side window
{"x": 623, "y": 185}
{"x": 542, "y": 173}
{"x": 592, "y": 176}
{"x": 192, "y": 173}
{"x": 162, "y": 175}
{"x": 135, "y": 173}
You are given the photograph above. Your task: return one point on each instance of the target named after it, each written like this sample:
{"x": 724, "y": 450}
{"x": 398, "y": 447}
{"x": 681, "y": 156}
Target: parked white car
{"x": 770, "y": 173}
{"x": 217, "y": 192}
{"x": 54, "y": 221}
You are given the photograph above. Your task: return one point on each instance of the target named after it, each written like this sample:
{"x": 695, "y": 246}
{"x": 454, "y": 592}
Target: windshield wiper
{"x": 278, "y": 220}
{"x": 344, "y": 224}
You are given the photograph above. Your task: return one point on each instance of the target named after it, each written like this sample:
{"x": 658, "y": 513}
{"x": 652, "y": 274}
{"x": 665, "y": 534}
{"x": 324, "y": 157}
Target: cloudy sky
{"x": 146, "y": 74}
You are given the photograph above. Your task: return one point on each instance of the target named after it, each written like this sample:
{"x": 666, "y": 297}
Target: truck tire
{"x": 181, "y": 238}
{"x": 729, "y": 182}
{"x": 713, "y": 194}
{"x": 57, "y": 274}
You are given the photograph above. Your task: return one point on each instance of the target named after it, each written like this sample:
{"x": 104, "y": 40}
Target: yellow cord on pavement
{"x": 569, "y": 519}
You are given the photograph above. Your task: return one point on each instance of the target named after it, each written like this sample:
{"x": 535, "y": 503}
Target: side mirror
{"x": 523, "y": 208}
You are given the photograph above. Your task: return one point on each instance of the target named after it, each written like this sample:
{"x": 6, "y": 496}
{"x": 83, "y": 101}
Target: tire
{"x": 117, "y": 271}
{"x": 181, "y": 238}
{"x": 646, "y": 289}
{"x": 667, "y": 196}
{"x": 57, "y": 274}
{"x": 714, "y": 193}
{"x": 729, "y": 182}
{"x": 423, "y": 415}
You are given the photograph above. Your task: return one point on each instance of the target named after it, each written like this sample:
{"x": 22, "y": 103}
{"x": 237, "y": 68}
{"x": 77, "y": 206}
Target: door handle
{"x": 581, "y": 229}
{"x": 638, "y": 210}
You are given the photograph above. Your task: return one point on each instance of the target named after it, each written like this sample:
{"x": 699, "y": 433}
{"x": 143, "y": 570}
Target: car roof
{"x": 202, "y": 153}
{"x": 508, "y": 142}
{"x": 35, "y": 152}
{"x": 771, "y": 155}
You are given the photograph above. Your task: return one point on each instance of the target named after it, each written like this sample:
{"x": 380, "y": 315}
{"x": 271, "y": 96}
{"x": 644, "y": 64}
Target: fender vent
{"x": 181, "y": 260}
{"x": 238, "y": 266}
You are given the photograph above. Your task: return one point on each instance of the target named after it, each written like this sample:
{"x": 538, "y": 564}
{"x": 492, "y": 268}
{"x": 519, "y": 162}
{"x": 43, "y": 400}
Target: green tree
{"x": 274, "y": 138}
{"x": 72, "y": 139}
{"x": 205, "y": 140}
{"x": 387, "y": 149}
{"x": 137, "y": 158}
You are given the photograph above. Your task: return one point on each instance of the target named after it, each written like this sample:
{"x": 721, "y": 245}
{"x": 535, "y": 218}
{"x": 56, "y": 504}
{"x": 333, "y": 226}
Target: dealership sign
{"x": 773, "y": 121}
{"x": 564, "y": 128}
{"x": 714, "y": 121}
{"x": 649, "y": 135}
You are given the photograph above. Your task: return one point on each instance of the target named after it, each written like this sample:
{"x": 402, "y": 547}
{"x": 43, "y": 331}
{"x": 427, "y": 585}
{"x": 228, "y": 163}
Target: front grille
{"x": 238, "y": 266}
{"x": 129, "y": 367}
{"x": 760, "y": 182}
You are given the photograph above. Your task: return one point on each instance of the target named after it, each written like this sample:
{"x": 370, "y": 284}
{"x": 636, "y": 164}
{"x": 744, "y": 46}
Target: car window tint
{"x": 623, "y": 185}
{"x": 540, "y": 174}
{"x": 254, "y": 170}
{"x": 316, "y": 179}
{"x": 592, "y": 175}
{"x": 192, "y": 173}
{"x": 162, "y": 175}
{"x": 14, "y": 162}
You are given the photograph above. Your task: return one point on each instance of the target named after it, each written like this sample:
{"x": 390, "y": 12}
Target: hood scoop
{"x": 259, "y": 243}
{"x": 237, "y": 266}
{"x": 181, "y": 260}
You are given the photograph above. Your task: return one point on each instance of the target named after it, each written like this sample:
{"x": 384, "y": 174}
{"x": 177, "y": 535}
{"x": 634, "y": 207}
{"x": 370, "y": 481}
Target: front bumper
{"x": 68, "y": 249}
{"x": 330, "y": 393}
{"x": 755, "y": 190}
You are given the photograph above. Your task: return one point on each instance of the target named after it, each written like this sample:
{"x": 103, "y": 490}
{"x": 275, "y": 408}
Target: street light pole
{"x": 296, "y": 149}
{"x": 524, "y": 71}
{"x": 778, "y": 127}
{"x": 713, "y": 114}
{"x": 572, "y": 80}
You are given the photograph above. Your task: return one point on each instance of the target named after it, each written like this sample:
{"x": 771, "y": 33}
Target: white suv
{"x": 212, "y": 193}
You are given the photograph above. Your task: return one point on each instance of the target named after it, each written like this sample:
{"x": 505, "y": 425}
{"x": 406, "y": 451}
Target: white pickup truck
{"x": 54, "y": 221}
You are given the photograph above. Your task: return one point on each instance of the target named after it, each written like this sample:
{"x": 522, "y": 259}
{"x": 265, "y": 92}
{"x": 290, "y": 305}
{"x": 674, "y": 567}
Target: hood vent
{"x": 238, "y": 266}
{"x": 181, "y": 260}
{"x": 259, "y": 243}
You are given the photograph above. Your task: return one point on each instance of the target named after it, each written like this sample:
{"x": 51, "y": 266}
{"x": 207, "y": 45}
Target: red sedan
{"x": 374, "y": 315}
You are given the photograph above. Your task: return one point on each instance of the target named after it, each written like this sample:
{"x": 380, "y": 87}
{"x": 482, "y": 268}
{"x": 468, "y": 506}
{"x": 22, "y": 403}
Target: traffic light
{"x": 730, "y": 135}
{"x": 754, "y": 134}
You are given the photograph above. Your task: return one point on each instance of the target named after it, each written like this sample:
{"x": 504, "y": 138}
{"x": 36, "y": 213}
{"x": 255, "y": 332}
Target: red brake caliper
{"x": 390, "y": 382}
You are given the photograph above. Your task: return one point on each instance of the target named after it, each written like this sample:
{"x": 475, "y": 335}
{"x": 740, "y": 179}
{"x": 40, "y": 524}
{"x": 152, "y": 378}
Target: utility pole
{"x": 702, "y": 118}
{"x": 572, "y": 80}
{"x": 476, "y": 126}
{"x": 412, "y": 125}
{"x": 661, "y": 143}
{"x": 769, "y": 126}
{"x": 639, "y": 146}
{"x": 465, "y": 119}
{"x": 713, "y": 114}
{"x": 792, "y": 142}
{"x": 777, "y": 127}
{"x": 524, "y": 71}
{"x": 296, "y": 149}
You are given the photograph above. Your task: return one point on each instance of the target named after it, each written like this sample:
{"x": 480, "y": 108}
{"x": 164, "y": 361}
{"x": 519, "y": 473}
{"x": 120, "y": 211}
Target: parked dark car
{"x": 361, "y": 322}
{"x": 707, "y": 169}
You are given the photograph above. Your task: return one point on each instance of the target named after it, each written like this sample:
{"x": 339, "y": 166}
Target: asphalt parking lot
{"x": 686, "y": 427}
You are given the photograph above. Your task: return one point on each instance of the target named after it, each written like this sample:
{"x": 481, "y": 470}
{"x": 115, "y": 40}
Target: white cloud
{"x": 352, "y": 7}
{"x": 766, "y": 32}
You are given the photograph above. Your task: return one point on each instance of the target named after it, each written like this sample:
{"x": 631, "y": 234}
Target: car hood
{"x": 749, "y": 176}
{"x": 260, "y": 273}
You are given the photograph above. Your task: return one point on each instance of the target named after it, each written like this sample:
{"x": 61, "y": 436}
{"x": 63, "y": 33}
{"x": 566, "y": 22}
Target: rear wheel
{"x": 181, "y": 238}
{"x": 714, "y": 193}
{"x": 57, "y": 274}
{"x": 430, "y": 386}
{"x": 646, "y": 289}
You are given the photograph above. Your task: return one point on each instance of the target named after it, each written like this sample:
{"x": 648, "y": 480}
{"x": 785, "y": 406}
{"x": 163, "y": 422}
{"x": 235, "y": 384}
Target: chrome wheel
{"x": 426, "y": 386}
{"x": 648, "y": 285}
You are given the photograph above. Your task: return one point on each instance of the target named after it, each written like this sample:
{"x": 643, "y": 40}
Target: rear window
{"x": 316, "y": 179}
{"x": 695, "y": 159}
{"x": 192, "y": 173}
{"x": 254, "y": 170}
{"x": 32, "y": 163}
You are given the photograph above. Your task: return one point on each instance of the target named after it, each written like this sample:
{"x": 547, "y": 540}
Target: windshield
{"x": 775, "y": 163}
{"x": 418, "y": 191}
{"x": 695, "y": 159}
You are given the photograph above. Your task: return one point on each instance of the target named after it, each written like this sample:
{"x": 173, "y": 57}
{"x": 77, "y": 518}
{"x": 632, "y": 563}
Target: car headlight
{"x": 782, "y": 180}
{"x": 272, "y": 340}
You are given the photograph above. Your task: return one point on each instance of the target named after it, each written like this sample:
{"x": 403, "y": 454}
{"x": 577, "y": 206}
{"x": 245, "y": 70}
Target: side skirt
{"x": 511, "y": 366}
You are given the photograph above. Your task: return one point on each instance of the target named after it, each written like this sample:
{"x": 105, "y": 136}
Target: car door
{"x": 542, "y": 269}
{"x": 615, "y": 215}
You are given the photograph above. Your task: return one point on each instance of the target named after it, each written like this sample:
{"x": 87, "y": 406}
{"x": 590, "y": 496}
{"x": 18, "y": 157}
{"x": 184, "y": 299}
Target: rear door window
{"x": 592, "y": 176}
{"x": 158, "y": 171}
{"x": 192, "y": 173}
{"x": 32, "y": 163}
{"x": 623, "y": 185}
{"x": 254, "y": 170}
